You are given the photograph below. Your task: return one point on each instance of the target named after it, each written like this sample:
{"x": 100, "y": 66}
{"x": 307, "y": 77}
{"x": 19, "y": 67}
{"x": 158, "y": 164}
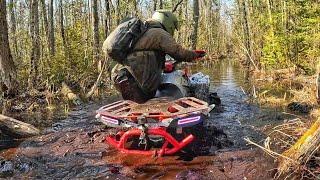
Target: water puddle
{"x": 75, "y": 147}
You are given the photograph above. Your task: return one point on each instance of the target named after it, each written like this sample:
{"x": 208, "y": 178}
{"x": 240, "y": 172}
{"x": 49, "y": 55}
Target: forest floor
{"x": 72, "y": 145}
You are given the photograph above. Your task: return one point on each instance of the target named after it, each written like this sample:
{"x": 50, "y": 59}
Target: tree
{"x": 154, "y": 5}
{"x": 194, "y": 34}
{"x": 95, "y": 31}
{"x": 107, "y": 19}
{"x": 161, "y": 4}
{"x": 51, "y": 30}
{"x": 35, "y": 49}
{"x": 13, "y": 26}
{"x": 7, "y": 66}
{"x": 45, "y": 19}
{"x": 246, "y": 29}
{"x": 62, "y": 31}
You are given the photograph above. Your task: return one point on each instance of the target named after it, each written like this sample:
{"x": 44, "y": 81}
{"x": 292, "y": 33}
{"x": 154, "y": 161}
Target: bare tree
{"x": 63, "y": 36}
{"x": 135, "y": 8}
{"x": 51, "y": 29}
{"x": 194, "y": 35}
{"x": 118, "y": 13}
{"x": 107, "y": 19}
{"x": 13, "y": 26}
{"x": 161, "y": 4}
{"x": 35, "y": 50}
{"x": 155, "y": 4}
{"x": 45, "y": 20}
{"x": 7, "y": 67}
{"x": 95, "y": 30}
{"x": 247, "y": 34}
{"x": 45, "y": 17}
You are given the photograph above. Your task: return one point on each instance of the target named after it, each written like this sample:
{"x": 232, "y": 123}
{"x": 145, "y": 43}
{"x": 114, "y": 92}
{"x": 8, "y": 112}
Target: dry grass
{"x": 295, "y": 143}
{"x": 280, "y": 87}
{"x": 290, "y": 135}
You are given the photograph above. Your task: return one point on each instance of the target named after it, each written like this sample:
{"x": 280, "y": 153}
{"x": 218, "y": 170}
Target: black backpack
{"x": 122, "y": 40}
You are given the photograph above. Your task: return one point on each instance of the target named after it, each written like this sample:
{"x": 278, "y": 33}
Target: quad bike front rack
{"x": 152, "y": 119}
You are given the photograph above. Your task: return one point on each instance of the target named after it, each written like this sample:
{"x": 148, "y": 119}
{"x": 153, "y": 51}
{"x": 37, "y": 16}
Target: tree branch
{"x": 176, "y": 6}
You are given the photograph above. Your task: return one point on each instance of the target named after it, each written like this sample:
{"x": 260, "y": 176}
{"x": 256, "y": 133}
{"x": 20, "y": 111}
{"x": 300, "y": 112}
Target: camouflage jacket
{"x": 147, "y": 60}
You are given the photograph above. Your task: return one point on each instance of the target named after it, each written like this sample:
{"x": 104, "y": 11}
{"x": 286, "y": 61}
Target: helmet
{"x": 167, "y": 19}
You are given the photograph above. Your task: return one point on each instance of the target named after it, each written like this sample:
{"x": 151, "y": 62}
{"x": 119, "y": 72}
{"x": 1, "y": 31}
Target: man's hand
{"x": 200, "y": 53}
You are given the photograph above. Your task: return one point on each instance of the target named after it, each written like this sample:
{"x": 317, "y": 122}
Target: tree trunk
{"x": 35, "y": 51}
{"x": 107, "y": 20}
{"x": 186, "y": 37}
{"x": 51, "y": 30}
{"x": 95, "y": 31}
{"x": 161, "y": 4}
{"x": 247, "y": 35}
{"x": 135, "y": 8}
{"x": 45, "y": 18}
{"x": 194, "y": 35}
{"x": 63, "y": 36}
{"x": 7, "y": 67}
{"x": 118, "y": 14}
{"x": 13, "y": 27}
{"x": 155, "y": 5}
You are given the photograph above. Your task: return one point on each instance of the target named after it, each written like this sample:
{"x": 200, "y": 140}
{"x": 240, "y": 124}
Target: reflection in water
{"x": 238, "y": 116}
{"x": 224, "y": 73}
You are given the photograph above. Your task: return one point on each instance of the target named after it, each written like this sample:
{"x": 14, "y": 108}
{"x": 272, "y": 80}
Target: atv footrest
{"x": 169, "y": 147}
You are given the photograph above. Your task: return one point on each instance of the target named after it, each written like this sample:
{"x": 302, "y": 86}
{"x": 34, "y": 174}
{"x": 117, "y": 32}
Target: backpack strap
{"x": 154, "y": 24}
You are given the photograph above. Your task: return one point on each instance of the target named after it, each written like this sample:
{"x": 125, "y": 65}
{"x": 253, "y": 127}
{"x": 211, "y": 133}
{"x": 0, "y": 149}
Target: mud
{"x": 75, "y": 147}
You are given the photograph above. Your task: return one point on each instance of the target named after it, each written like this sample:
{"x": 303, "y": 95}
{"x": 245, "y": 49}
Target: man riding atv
{"x": 138, "y": 76}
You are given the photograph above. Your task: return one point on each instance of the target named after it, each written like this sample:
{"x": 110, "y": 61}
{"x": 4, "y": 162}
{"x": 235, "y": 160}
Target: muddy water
{"x": 237, "y": 117}
{"x": 75, "y": 147}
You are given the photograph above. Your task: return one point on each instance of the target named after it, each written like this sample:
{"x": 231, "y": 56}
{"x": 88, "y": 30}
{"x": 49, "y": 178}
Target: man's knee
{"x": 129, "y": 87}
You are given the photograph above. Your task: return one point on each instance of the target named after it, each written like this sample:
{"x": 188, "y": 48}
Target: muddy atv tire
{"x": 201, "y": 91}
{"x": 214, "y": 99}
{"x": 198, "y": 146}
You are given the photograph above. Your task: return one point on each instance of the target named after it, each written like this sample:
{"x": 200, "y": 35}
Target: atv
{"x": 170, "y": 123}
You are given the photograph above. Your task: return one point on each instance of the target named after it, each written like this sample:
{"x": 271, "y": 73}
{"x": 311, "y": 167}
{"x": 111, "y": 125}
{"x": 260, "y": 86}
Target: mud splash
{"x": 75, "y": 147}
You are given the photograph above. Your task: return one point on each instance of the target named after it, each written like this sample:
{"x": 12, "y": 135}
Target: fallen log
{"x": 16, "y": 129}
{"x": 69, "y": 95}
{"x": 301, "y": 151}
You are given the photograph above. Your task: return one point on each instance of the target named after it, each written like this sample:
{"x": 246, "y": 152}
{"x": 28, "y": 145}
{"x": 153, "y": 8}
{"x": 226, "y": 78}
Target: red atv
{"x": 167, "y": 124}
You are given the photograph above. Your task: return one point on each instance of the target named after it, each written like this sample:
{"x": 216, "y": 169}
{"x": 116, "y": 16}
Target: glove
{"x": 200, "y": 53}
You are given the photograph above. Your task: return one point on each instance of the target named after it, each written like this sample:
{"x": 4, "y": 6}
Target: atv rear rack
{"x": 152, "y": 119}
{"x": 160, "y": 108}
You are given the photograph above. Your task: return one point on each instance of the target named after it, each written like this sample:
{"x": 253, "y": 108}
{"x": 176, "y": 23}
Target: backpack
{"x": 122, "y": 40}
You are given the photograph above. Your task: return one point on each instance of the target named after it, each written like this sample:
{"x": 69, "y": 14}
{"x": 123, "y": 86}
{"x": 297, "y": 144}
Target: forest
{"x": 44, "y": 42}
{"x": 51, "y": 55}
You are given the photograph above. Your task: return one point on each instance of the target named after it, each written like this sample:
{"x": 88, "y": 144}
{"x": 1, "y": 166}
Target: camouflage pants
{"x": 129, "y": 87}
